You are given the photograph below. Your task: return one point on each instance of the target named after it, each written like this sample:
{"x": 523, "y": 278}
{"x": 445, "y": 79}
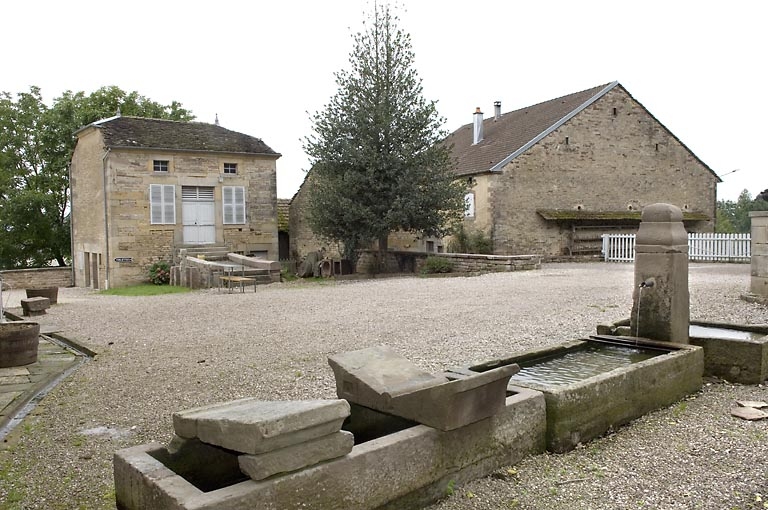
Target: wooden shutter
{"x": 162, "y": 202}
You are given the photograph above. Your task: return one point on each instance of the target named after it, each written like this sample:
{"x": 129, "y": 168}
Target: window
{"x": 233, "y": 200}
{"x": 160, "y": 165}
{"x": 469, "y": 208}
{"x": 230, "y": 168}
{"x": 162, "y": 202}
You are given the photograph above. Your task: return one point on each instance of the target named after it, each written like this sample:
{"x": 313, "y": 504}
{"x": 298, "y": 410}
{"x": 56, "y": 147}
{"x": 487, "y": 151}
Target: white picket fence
{"x": 701, "y": 247}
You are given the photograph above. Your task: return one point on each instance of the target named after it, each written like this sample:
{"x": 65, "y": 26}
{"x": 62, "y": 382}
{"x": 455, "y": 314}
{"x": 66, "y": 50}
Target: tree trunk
{"x": 383, "y": 245}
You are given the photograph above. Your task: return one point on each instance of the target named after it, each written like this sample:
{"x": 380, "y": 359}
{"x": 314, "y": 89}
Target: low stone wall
{"x": 37, "y": 278}
{"x": 412, "y": 262}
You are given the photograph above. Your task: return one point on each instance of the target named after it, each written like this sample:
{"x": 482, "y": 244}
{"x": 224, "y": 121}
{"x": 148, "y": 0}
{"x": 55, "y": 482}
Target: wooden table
{"x": 242, "y": 280}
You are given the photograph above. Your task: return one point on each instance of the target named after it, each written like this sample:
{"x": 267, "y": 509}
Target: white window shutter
{"x": 162, "y": 204}
{"x": 233, "y": 202}
{"x": 240, "y": 204}
{"x": 169, "y": 204}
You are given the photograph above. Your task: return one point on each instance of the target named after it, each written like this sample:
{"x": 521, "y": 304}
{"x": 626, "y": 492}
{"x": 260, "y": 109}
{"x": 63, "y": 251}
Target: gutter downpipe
{"x": 106, "y": 218}
{"x": 73, "y": 273}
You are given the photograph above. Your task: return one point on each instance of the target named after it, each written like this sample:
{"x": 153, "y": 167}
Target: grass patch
{"x": 145, "y": 289}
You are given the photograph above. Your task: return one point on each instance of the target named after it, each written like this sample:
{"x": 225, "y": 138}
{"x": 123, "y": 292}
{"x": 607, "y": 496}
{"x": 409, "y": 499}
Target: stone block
{"x": 35, "y": 306}
{"x": 759, "y": 285}
{"x": 292, "y": 458}
{"x": 256, "y": 426}
{"x": 381, "y": 379}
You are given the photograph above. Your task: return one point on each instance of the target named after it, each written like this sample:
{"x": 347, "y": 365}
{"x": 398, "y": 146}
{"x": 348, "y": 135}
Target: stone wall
{"x": 37, "y": 278}
{"x": 759, "y": 270}
{"x": 412, "y": 262}
{"x": 613, "y": 156}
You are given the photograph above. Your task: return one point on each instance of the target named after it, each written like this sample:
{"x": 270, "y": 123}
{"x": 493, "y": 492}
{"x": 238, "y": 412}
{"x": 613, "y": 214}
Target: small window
{"x": 430, "y": 246}
{"x": 230, "y": 168}
{"x": 160, "y": 165}
{"x": 615, "y": 112}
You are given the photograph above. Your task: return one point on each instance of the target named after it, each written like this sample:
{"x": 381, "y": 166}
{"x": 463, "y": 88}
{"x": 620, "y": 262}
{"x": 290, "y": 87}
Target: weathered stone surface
{"x": 371, "y": 377}
{"x": 660, "y": 308}
{"x": 35, "y": 306}
{"x": 298, "y": 456}
{"x": 406, "y": 469}
{"x": 381, "y": 379}
{"x": 748, "y": 413}
{"x": 756, "y": 404}
{"x": 256, "y": 426}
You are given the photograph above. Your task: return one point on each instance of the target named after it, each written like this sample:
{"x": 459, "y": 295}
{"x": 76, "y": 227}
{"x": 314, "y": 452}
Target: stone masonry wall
{"x": 135, "y": 243}
{"x": 612, "y": 156}
{"x": 37, "y": 278}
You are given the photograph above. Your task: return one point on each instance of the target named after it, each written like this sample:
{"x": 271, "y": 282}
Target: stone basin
{"x": 392, "y": 465}
{"x": 18, "y": 343}
{"x": 735, "y": 352}
{"x": 585, "y": 408}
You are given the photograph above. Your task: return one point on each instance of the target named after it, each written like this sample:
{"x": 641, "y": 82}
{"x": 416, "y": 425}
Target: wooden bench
{"x": 35, "y": 306}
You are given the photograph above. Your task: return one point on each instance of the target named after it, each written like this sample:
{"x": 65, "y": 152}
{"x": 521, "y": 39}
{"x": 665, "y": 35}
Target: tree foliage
{"x": 378, "y": 164}
{"x": 36, "y": 145}
{"x": 733, "y": 217}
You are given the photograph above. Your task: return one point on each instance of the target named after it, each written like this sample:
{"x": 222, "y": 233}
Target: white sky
{"x": 698, "y": 66}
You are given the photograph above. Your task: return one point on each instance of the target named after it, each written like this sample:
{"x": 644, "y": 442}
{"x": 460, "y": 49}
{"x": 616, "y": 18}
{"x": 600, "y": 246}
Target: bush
{"x": 435, "y": 265}
{"x": 473, "y": 241}
{"x": 160, "y": 273}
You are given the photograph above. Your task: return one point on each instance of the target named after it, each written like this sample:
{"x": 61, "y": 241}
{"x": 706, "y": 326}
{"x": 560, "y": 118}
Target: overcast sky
{"x": 699, "y": 67}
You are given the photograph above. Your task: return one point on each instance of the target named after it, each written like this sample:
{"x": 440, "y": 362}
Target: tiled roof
{"x": 137, "y": 132}
{"x": 515, "y": 130}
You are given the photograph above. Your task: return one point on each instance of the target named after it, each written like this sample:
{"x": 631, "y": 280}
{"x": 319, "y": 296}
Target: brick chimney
{"x": 478, "y": 131}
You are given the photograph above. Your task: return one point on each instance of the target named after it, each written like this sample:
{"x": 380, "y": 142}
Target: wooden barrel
{"x": 18, "y": 343}
{"x": 51, "y": 293}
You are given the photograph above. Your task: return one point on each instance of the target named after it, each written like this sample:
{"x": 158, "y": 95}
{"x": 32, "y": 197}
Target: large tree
{"x": 733, "y": 217}
{"x": 378, "y": 161}
{"x": 36, "y": 145}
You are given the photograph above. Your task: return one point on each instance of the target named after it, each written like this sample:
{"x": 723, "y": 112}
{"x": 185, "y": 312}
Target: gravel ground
{"x": 167, "y": 353}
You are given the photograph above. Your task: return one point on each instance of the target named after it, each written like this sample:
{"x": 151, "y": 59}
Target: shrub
{"x": 435, "y": 265}
{"x": 472, "y": 241}
{"x": 160, "y": 273}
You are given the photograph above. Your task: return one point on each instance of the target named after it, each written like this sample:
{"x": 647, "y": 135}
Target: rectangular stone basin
{"x": 736, "y": 352}
{"x": 408, "y": 467}
{"x": 654, "y": 375}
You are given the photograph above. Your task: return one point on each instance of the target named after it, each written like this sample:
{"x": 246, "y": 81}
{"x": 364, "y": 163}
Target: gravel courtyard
{"x": 167, "y": 353}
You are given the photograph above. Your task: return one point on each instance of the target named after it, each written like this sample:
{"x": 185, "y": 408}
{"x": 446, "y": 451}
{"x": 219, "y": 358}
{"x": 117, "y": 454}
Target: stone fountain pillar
{"x": 660, "y": 308}
{"x": 759, "y": 283}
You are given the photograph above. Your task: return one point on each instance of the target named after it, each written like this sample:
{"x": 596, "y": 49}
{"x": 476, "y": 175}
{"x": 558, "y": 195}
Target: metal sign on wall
{"x": 123, "y": 259}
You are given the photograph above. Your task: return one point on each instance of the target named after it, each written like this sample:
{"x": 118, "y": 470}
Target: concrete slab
{"x": 255, "y": 426}
{"x": 292, "y": 458}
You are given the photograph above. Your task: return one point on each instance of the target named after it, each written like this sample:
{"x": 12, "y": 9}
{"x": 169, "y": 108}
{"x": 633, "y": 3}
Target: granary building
{"x": 144, "y": 188}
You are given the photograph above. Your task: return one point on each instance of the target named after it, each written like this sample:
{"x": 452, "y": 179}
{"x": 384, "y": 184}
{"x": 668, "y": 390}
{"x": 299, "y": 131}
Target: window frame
{"x": 233, "y": 205}
{"x": 165, "y": 208}
{"x": 229, "y": 169}
{"x": 469, "y": 205}
{"x": 161, "y": 163}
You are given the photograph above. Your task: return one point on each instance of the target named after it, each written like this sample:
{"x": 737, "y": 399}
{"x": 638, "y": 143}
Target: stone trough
{"x": 250, "y": 454}
{"x": 603, "y": 395}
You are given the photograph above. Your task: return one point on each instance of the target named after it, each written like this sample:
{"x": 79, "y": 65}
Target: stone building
{"x": 143, "y": 188}
{"x": 551, "y": 178}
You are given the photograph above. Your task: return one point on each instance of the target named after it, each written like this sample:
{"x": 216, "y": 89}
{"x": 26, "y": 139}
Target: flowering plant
{"x": 160, "y": 273}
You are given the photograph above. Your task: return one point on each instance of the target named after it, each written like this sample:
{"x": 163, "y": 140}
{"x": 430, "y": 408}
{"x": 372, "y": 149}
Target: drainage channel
{"x": 35, "y": 399}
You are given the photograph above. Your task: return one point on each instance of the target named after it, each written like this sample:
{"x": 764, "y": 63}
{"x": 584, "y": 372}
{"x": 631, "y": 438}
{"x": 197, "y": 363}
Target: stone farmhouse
{"x": 551, "y": 178}
{"x": 144, "y": 188}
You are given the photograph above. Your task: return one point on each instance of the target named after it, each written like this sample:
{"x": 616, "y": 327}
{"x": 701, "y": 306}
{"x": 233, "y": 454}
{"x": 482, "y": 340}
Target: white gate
{"x": 198, "y": 215}
{"x": 703, "y": 247}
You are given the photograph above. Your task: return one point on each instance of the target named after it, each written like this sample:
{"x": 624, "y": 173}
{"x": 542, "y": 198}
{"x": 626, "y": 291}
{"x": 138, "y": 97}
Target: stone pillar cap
{"x": 661, "y": 213}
